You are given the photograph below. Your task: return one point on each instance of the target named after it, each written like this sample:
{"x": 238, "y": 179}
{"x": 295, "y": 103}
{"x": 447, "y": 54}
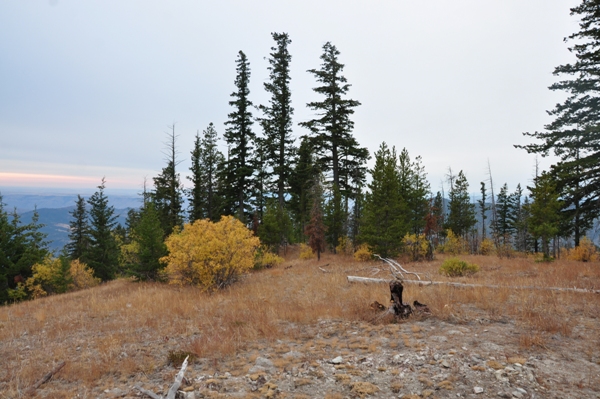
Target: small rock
{"x": 517, "y": 394}
{"x": 477, "y": 390}
{"x": 337, "y": 360}
{"x": 505, "y": 395}
{"x": 293, "y": 354}
{"x": 524, "y": 392}
{"x": 445, "y": 363}
{"x": 501, "y": 375}
{"x": 189, "y": 395}
{"x": 264, "y": 362}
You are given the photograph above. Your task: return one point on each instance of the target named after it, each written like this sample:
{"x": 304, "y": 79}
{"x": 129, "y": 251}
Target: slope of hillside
{"x": 302, "y": 331}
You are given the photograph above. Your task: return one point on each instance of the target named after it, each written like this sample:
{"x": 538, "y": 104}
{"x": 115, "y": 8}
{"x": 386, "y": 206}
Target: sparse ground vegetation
{"x": 298, "y": 317}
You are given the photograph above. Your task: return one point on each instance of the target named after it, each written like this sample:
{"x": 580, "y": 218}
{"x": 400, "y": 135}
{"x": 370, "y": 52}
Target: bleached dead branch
{"x": 173, "y": 390}
{"x": 396, "y": 269}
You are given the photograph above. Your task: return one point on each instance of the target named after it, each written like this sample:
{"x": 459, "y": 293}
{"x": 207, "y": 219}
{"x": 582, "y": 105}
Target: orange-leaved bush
{"x": 584, "y": 252}
{"x": 210, "y": 255}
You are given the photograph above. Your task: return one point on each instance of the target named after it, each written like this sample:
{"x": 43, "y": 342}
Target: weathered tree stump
{"x": 401, "y": 310}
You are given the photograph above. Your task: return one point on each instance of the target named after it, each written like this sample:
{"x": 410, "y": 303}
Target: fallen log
{"x": 45, "y": 378}
{"x": 368, "y": 280}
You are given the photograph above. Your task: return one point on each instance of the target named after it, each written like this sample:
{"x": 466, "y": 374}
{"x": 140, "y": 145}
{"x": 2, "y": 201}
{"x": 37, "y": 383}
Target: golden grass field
{"x": 121, "y": 332}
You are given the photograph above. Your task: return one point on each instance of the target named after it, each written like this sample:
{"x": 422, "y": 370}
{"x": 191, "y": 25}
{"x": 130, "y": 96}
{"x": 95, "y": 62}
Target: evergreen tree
{"x": 520, "y": 220}
{"x": 79, "y": 233}
{"x": 240, "y": 138}
{"x": 504, "y": 227}
{"x": 413, "y": 193}
{"x": 461, "y": 216}
{"x": 276, "y": 226}
{"x": 301, "y": 182}
{"x": 483, "y": 208}
{"x": 167, "y": 194}
{"x": 21, "y": 246}
{"x": 315, "y": 229}
{"x": 148, "y": 245}
{"x": 331, "y": 132}
{"x": 544, "y": 211}
{"x": 277, "y": 118}
{"x": 434, "y": 224}
{"x": 103, "y": 256}
{"x": 382, "y": 225}
{"x": 334, "y": 218}
{"x": 574, "y": 134}
{"x": 206, "y": 200}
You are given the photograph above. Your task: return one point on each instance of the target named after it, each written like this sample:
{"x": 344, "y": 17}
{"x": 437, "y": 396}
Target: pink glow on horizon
{"x": 43, "y": 180}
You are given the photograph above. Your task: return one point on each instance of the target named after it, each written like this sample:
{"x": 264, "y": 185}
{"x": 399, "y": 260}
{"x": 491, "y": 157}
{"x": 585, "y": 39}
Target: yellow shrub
{"x": 416, "y": 246}
{"x": 454, "y": 267}
{"x": 345, "y": 246}
{"x": 454, "y": 245}
{"x": 487, "y": 247}
{"x": 210, "y": 255}
{"x": 58, "y": 275}
{"x": 363, "y": 253}
{"x": 306, "y": 252}
{"x": 584, "y": 252}
{"x": 263, "y": 258}
{"x": 82, "y": 276}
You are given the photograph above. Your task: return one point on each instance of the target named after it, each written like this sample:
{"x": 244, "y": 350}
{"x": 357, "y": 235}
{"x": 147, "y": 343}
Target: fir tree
{"x": 413, "y": 193}
{"x": 382, "y": 226}
{"x": 277, "y": 118}
{"x": 334, "y": 218}
{"x": 315, "y": 229}
{"x": 79, "y": 233}
{"x": 461, "y": 216}
{"x": 147, "y": 239}
{"x": 21, "y": 246}
{"x": 574, "y": 134}
{"x": 483, "y": 208}
{"x": 240, "y": 139}
{"x": 301, "y": 182}
{"x": 504, "y": 210}
{"x": 544, "y": 211}
{"x": 206, "y": 200}
{"x": 103, "y": 256}
{"x": 167, "y": 194}
{"x": 331, "y": 132}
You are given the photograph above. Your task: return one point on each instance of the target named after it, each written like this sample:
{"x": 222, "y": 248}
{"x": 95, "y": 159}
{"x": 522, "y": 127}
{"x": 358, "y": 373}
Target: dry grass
{"x": 111, "y": 333}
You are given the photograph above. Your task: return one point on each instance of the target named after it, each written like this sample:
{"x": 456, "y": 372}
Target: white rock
{"x": 477, "y": 390}
{"x": 524, "y": 392}
{"x": 337, "y": 360}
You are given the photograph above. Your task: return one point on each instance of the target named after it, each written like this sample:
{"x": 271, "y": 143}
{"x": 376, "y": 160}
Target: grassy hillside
{"x": 124, "y": 333}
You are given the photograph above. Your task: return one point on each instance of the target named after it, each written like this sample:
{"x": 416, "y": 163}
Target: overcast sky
{"x": 88, "y": 88}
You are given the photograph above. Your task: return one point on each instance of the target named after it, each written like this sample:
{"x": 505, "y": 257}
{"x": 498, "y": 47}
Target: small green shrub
{"x": 454, "y": 267}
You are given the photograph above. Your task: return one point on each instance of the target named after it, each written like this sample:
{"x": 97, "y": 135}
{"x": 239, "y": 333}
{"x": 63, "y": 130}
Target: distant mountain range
{"x": 54, "y": 209}
{"x": 56, "y": 223}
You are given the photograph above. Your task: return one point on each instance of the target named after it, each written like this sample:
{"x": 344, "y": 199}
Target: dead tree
{"x": 401, "y": 309}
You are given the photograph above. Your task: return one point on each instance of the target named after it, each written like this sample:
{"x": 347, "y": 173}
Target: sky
{"x": 89, "y": 88}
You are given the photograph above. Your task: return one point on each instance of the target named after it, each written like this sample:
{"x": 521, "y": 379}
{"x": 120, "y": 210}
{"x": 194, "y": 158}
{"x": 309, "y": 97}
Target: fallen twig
{"x": 45, "y": 378}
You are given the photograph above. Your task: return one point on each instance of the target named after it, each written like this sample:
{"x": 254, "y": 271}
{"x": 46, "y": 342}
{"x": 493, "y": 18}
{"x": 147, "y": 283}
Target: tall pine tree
{"x": 574, "y": 134}
{"x": 461, "y": 215}
{"x": 205, "y": 199}
{"x": 167, "y": 194}
{"x": 382, "y": 225}
{"x": 276, "y": 122}
{"x": 103, "y": 257}
{"x": 241, "y": 141}
{"x": 79, "y": 233}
